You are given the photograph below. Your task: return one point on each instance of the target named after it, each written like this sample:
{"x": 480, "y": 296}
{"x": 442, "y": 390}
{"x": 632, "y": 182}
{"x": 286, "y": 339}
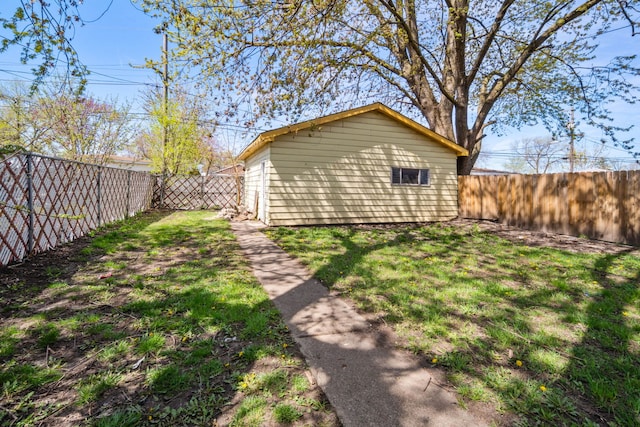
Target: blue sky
{"x": 122, "y": 36}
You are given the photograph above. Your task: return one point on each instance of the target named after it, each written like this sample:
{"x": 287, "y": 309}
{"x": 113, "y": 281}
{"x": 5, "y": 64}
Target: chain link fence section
{"x": 46, "y": 201}
{"x": 198, "y": 192}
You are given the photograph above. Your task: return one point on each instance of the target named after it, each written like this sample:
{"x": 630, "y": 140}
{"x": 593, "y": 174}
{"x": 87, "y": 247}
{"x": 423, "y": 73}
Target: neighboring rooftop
{"x": 482, "y": 171}
{"x": 128, "y": 162}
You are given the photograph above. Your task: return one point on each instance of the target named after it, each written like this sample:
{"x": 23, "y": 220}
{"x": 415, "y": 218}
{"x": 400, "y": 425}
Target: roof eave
{"x": 255, "y": 145}
{"x": 269, "y": 136}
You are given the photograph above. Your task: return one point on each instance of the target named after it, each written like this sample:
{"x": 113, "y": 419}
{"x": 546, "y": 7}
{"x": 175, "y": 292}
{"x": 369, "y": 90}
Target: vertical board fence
{"x": 598, "y": 205}
{"x": 46, "y": 201}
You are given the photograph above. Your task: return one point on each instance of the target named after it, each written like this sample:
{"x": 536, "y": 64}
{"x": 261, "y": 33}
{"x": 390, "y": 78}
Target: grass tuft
{"x": 252, "y": 412}
{"x": 286, "y": 414}
{"x": 150, "y": 344}
{"x": 93, "y": 387}
{"x": 47, "y": 334}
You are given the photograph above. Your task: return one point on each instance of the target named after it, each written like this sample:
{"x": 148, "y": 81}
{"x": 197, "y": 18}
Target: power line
{"x": 115, "y": 81}
{"x": 104, "y": 12}
{"x": 503, "y": 155}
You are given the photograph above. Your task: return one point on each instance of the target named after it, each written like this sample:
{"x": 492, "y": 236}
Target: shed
{"x": 365, "y": 165}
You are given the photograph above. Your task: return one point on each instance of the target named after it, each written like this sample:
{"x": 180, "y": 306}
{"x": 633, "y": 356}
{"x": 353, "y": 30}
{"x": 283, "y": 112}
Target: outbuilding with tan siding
{"x": 366, "y": 165}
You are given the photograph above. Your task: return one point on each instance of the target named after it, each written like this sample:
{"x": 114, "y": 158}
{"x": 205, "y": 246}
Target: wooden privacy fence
{"x": 599, "y": 205}
{"x": 47, "y": 201}
{"x": 198, "y": 192}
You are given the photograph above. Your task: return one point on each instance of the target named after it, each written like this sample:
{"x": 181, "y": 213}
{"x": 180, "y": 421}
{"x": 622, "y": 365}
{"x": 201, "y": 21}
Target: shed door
{"x": 262, "y": 206}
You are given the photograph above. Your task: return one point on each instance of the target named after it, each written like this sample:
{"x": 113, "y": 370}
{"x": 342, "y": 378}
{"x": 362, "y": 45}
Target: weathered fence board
{"x": 599, "y": 205}
{"x": 631, "y": 214}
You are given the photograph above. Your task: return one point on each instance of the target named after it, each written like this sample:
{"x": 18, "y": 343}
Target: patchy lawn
{"x": 551, "y": 335}
{"x": 154, "y": 321}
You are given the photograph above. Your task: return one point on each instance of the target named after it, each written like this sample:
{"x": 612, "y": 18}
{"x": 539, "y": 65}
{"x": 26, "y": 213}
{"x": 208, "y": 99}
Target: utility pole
{"x": 165, "y": 102}
{"x": 165, "y": 107}
{"x": 572, "y": 134}
{"x": 18, "y": 106}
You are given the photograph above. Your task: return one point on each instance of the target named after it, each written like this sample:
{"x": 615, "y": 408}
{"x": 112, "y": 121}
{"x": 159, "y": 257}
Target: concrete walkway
{"x": 367, "y": 380}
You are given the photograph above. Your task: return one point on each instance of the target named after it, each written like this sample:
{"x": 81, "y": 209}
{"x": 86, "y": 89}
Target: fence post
{"x": 126, "y": 214}
{"x": 239, "y": 190}
{"x": 99, "y": 196}
{"x": 30, "y": 240}
{"x": 202, "y": 204}
{"x": 162, "y": 183}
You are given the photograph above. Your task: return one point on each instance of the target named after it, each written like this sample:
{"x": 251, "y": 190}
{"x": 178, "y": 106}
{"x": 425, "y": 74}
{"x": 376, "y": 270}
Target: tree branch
{"x": 501, "y": 84}
{"x": 491, "y": 35}
{"x": 416, "y": 48}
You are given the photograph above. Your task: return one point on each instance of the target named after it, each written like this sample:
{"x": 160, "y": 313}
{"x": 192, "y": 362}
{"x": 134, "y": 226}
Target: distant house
{"x": 365, "y": 165}
{"x": 233, "y": 170}
{"x": 128, "y": 162}
{"x": 482, "y": 171}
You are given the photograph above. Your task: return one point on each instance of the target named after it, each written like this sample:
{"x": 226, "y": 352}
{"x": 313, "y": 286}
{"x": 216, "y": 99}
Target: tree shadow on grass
{"x": 138, "y": 348}
{"x": 572, "y": 374}
{"x": 606, "y": 363}
{"x": 22, "y": 283}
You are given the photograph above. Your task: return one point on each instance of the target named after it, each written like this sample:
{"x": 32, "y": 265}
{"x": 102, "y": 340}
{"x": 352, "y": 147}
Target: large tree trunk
{"x": 463, "y": 138}
{"x": 464, "y": 165}
{"x": 469, "y": 141}
{"x": 455, "y": 80}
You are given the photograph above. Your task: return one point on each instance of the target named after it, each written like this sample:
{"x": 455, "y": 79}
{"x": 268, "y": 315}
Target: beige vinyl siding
{"x": 253, "y": 180}
{"x": 341, "y": 173}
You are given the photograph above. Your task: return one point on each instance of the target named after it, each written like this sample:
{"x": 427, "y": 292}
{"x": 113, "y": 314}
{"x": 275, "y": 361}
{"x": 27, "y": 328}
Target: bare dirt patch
{"x": 547, "y": 240}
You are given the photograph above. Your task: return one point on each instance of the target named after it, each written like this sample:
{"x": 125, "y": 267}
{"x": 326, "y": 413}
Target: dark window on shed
{"x": 409, "y": 176}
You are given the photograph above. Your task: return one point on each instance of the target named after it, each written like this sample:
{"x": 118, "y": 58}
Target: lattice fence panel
{"x": 114, "y": 195}
{"x": 65, "y": 201}
{"x": 158, "y": 191}
{"x": 222, "y": 191}
{"x": 182, "y": 192}
{"x": 141, "y": 185}
{"x": 196, "y": 192}
{"x": 14, "y": 220}
{"x": 62, "y": 201}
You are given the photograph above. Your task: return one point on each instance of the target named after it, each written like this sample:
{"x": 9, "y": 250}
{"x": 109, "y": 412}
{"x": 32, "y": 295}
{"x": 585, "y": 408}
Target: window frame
{"x": 421, "y": 173}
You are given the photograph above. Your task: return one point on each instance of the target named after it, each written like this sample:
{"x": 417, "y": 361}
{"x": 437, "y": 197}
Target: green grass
{"x": 123, "y": 417}
{"x": 475, "y": 304}
{"x": 168, "y": 379}
{"x": 252, "y": 412}
{"x": 93, "y": 387}
{"x": 9, "y": 337}
{"x": 47, "y": 334}
{"x": 286, "y": 414}
{"x": 17, "y": 378}
{"x": 151, "y": 344}
{"x": 268, "y": 383}
{"x": 155, "y": 323}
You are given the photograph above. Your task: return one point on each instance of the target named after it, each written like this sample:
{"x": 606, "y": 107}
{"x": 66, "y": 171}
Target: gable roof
{"x": 269, "y": 136}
